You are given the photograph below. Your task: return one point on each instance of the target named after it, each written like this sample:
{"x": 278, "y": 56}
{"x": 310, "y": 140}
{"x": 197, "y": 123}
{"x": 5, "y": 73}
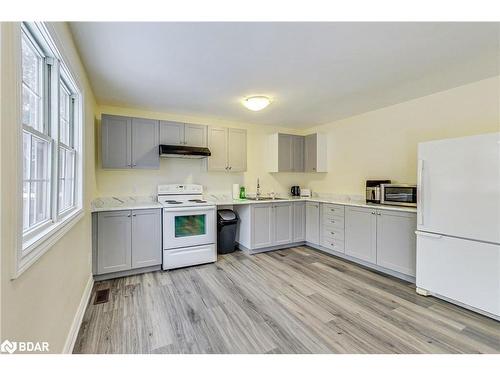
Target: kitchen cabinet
{"x": 127, "y": 240}
{"x": 361, "y": 233}
{"x": 332, "y": 226}
{"x": 315, "y": 149}
{"x": 312, "y": 222}
{"x": 287, "y": 153}
{"x": 262, "y": 226}
{"x": 383, "y": 237}
{"x": 129, "y": 142}
{"x": 299, "y": 221}
{"x": 228, "y": 147}
{"x": 283, "y": 223}
{"x": 396, "y": 241}
{"x": 185, "y": 134}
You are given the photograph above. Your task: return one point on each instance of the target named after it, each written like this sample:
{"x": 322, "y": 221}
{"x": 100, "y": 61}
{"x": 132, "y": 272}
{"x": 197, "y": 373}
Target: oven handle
{"x": 184, "y": 209}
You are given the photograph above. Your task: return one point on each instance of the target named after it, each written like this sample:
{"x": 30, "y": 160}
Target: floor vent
{"x": 101, "y": 296}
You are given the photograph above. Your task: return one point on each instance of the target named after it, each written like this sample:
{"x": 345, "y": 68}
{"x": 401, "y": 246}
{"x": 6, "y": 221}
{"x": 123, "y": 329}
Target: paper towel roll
{"x": 236, "y": 191}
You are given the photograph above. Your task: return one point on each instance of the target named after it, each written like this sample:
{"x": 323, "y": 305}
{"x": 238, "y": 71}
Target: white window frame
{"x": 34, "y": 243}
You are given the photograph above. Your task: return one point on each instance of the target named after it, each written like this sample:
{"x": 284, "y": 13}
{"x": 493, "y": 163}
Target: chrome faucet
{"x": 257, "y": 194}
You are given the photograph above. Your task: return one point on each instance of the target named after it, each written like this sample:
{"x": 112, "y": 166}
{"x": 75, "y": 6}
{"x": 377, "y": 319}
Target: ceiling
{"x": 314, "y": 72}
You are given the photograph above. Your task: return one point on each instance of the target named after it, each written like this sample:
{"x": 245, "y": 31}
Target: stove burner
{"x": 197, "y": 201}
{"x": 173, "y": 202}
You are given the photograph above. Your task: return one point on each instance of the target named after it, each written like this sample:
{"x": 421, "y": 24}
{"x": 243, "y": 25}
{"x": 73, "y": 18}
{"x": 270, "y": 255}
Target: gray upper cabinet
{"x": 129, "y": 142}
{"x": 114, "y": 246}
{"x": 286, "y": 153}
{"x": 312, "y": 222}
{"x": 126, "y": 240}
{"x": 146, "y": 238}
{"x": 171, "y": 133}
{"x": 178, "y": 133}
{"x": 299, "y": 221}
{"x": 361, "y": 233}
{"x": 145, "y": 153}
{"x": 315, "y": 150}
{"x": 116, "y": 134}
{"x": 396, "y": 241}
{"x": 283, "y": 223}
{"x": 228, "y": 147}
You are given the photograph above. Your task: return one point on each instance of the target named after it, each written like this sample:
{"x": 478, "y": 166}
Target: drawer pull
{"x": 332, "y": 232}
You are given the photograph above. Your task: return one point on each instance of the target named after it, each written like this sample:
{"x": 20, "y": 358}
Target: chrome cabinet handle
{"x": 128, "y": 215}
{"x": 230, "y": 168}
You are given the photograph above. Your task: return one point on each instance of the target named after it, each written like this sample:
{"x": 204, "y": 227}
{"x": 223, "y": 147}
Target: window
{"x": 51, "y": 139}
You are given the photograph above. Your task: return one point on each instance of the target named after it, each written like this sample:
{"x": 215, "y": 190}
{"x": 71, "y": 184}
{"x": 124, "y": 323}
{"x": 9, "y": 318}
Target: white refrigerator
{"x": 458, "y": 221}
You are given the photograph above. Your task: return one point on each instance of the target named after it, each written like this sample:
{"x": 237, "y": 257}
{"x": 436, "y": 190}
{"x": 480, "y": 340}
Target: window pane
{"x": 26, "y": 206}
{"x": 64, "y": 115}
{"x": 31, "y": 106}
{"x": 39, "y": 159}
{"x": 31, "y": 62}
{"x": 39, "y": 199}
{"x": 66, "y": 179}
{"x": 26, "y": 155}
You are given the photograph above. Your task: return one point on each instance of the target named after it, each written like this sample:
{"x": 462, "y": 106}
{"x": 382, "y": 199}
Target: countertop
{"x": 140, "y": 203}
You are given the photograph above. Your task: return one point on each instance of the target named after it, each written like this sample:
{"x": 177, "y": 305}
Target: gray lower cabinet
{"x": 127, "y": 240}
{"x": 114, "y": 241}
{"x": 396, "y": 241}
{"x": 283, "y": 223}
{"x": 299, "y": 221}
{"x": 129, "y": 142}
{"x": 262, "y": 226}
{"x": 312, "y": 222}
{"x": 361, "y": 233}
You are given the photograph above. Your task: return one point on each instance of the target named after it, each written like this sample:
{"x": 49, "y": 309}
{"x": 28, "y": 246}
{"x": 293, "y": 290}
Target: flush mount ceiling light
{"x": 256, "y": 103}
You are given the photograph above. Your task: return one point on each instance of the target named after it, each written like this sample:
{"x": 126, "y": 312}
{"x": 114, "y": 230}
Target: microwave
{"x": 398, "y": 194}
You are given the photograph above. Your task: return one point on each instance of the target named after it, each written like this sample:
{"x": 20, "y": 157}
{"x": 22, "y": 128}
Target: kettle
{"x": 295, "y": 191}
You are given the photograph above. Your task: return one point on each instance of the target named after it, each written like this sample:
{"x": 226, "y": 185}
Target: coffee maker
{"x": 373, "y": 190}
{"x": 295, "y": 191}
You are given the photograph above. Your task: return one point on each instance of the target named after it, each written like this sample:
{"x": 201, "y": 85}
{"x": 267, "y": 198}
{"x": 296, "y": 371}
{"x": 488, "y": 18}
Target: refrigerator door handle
{"x": 420, "y": 208}
{"x": 426, "y": 234}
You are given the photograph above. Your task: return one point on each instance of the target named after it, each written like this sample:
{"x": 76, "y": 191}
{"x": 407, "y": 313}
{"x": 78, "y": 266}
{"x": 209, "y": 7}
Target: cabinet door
{"x": 298, "y": 153}
{"x": 195, "y": 135}
{"x": 312, "y": 222}
{"x": 114, "y": 241}
{"x": 171, "y": 133}
{"x": 311, "y": 153}
{"x": 146, "y": 238}
{"x": 145, "y": 144}
{"x": 285, "y": 147}
{"x": 116, "y": 141}
{"x": 283, "y": 223}
{"x": 361, "y": 233}
{"x": 217, "y": 144}
{"x": 299, "y": 221}
{"x": 396, "y": 241}
{"x": 237, "y": 150}
{"x": 262, "y": 225}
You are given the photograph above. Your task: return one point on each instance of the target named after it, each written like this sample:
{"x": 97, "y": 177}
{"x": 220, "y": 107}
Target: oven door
{"x": 400, "y": 195}
{"x": 188, "y": 226}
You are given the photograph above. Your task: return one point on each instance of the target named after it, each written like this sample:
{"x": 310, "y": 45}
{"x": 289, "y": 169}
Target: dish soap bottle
{"x": 242, "y": 192}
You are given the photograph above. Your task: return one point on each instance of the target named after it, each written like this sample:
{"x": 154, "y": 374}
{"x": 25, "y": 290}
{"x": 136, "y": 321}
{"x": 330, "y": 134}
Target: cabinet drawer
{"x": 333, "y": 222}
{"x": 333, "y": 233}
{"x": 333, "y": 209}
{"x": 333, "y": 244}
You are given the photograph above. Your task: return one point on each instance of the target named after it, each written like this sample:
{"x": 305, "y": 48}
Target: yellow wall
{"x": 144, "y": 182}
{"x": 41, "y": 303}
{"x": 383, "y": 143}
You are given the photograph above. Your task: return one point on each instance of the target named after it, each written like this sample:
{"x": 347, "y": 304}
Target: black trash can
{"x": 227, "y": 222}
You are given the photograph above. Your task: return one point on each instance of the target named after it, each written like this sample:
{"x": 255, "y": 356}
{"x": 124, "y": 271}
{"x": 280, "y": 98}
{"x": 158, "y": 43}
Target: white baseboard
{"x": 77, "y": 320}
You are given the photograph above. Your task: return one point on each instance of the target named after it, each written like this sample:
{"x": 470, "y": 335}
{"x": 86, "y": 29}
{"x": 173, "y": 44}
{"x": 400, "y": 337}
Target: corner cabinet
{"x": 296, "y": 153}
{"x": 129, "y": 142}
{"x": 127, "y": 240}
{"x": 228, "y": 147}
{"x": 315, "y": 149}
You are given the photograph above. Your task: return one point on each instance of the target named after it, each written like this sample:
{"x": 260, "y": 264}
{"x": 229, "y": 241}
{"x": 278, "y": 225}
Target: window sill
{"x": 39, "y": 245}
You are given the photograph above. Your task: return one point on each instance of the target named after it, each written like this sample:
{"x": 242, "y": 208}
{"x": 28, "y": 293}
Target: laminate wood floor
{"x": 297, "y": 300}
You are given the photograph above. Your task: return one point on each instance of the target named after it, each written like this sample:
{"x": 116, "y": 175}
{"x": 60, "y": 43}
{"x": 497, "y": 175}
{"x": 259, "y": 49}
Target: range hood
{"x": 178, "y": 151}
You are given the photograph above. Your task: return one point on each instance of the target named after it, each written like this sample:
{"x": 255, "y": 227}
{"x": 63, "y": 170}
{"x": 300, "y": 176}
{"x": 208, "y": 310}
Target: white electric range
{"x": 189, "y": 226}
